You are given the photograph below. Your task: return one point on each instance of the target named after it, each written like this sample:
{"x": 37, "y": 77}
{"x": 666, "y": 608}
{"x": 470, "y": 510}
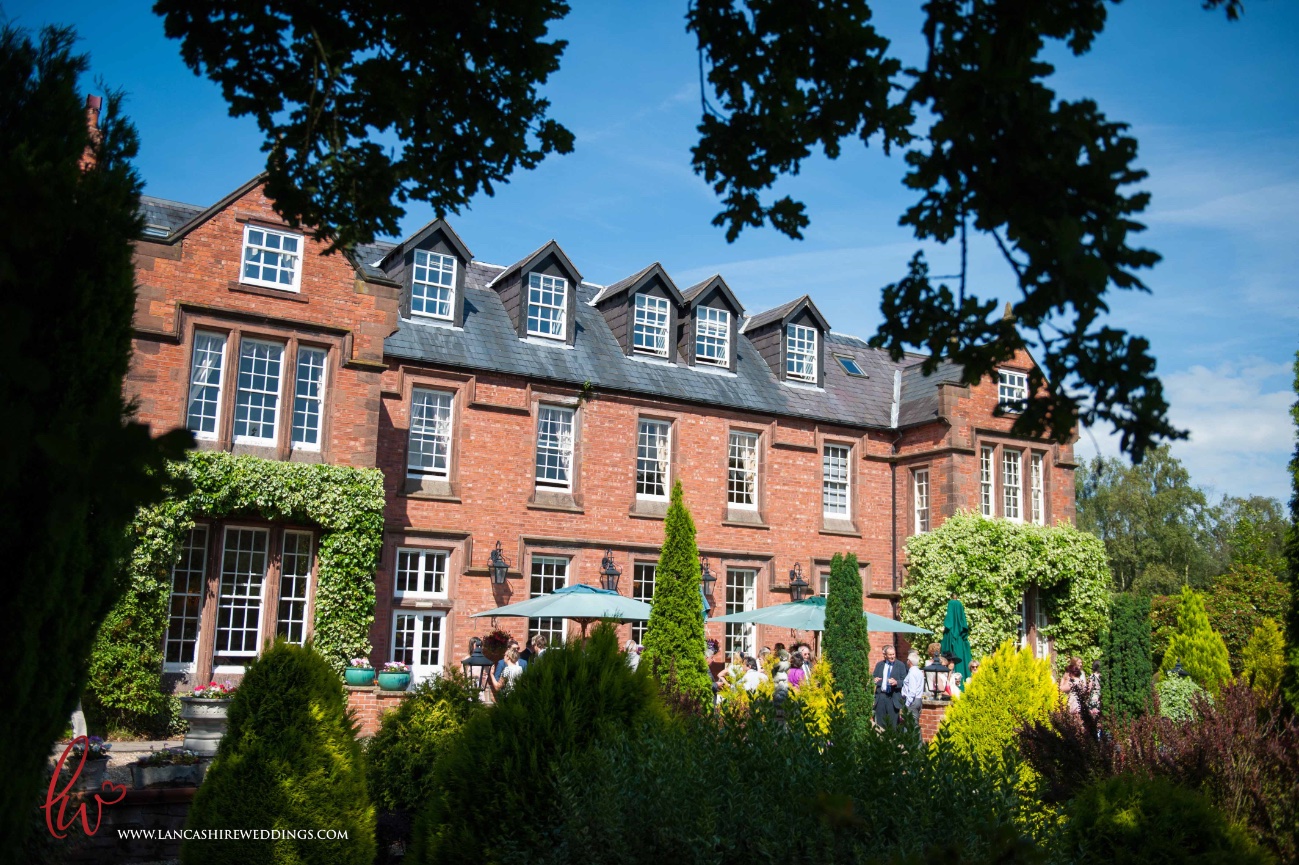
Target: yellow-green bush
{"x": 1264, "y": 659}
{"x": 1198, "y": 647}
{"x": 1012, "y": 689}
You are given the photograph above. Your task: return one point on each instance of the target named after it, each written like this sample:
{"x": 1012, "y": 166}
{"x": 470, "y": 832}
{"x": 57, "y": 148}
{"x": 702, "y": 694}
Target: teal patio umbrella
{"x": 956, "y": 637}
{"x": 809, "y": 615}
{"x": 582, "y": 604}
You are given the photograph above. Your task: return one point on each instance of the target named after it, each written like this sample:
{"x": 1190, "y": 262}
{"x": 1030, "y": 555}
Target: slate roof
{"x": 489, "y": 341}
{"x": 759, "y": 319}
{"x": 162, "y": 217}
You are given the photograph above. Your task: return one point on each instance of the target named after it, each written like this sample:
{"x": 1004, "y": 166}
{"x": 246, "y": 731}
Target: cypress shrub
{"x": 289, "y": 761}
{"x": 1264, "y": 659}
{"x": 846, "y": 642}
{"x": 494, "y": 785}
{"x": 674, "y": 639}
{"x": 1290, "y": 680}
{"x": 1147, "y": 821}
{"x": 75, "y": 466}
{"x": 1197, "y": 645}
{"x": 1127, "y": 669}
{"x": 401, "y": 756}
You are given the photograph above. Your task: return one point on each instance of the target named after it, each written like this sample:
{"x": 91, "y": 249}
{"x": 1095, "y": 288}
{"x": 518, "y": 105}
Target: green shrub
{"x": 674, "y": 636}
{"x": 846, "y": 642}
{"x": 1197, "y": 645}
{"x": 1012, "y": 689}
{"x": 289, "y": 760}
{"x": 761, "y": 793}
{"x": 1149, "y": 821}
{"x": 495, "y": 783}
{"x": 1127, "y": 671}
{"x": 1177, "y": 698}
{"x": 1264, "y": 659}
{"x": 990, "y": 563}
{"x": 401, "y": 756}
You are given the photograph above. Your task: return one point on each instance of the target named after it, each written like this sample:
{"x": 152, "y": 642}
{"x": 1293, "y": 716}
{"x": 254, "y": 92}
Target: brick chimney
{"x": 93, "y": 105}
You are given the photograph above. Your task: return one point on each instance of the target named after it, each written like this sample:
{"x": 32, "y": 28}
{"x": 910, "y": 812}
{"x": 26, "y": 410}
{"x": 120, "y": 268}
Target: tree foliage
{"x": 346, "y": 503}
{"x": 365, "y": 105}
{"x": 989, "y": 564}
{"x": 1197, "y": 646}
{"x": 1290, "y": 683}
{"x": 289, "y": 760}
{"x": 1150, "y": 517}
{"x": 674, "y": 636}
{"x": 1127, "y": 672}
{"x": 846, "y": 642}
{"x": 991, "y": 150}
{"x": 75, "y": 466}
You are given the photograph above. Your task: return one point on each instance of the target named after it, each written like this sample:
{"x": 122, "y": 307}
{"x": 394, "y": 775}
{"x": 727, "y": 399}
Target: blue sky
{"x": 1214, "y": 105}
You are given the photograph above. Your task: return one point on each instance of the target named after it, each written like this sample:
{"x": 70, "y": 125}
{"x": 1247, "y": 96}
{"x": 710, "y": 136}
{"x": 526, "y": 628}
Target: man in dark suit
{"x": 889, "y": 674}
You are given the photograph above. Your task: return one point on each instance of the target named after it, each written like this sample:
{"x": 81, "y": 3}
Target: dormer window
{"x": 272, "y": 259}
{"x": 800, "y": 353}
{"x": 547, "y": 305}
{"x": 712, "y": 336}
{"x": 650, "y": 329}
{"x": 433, "y": 285}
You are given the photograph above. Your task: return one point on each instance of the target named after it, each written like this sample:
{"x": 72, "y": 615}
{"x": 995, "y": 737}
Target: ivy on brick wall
{"x": 346, "y": 504}
{"x": 989, "y": 563}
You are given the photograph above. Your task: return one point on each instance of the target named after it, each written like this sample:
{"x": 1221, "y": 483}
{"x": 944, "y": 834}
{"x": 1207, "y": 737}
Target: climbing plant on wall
{"x": 346, "y": 504}
{"x": 989, "y": 563}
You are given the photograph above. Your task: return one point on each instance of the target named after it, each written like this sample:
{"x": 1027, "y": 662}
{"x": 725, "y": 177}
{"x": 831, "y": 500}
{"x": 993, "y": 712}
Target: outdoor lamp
{"x": 498, "y": 567}
{"x": 1179, "y": 670}
{"x": 609, "y": 572}
{"x": 934, "y": 671}
{"x": 797, "y": 585}
{"x": 477, "y": 665}
{"x": 708, "y": 577}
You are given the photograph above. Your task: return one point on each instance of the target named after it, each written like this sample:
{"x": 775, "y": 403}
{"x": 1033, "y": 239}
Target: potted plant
{"x": 95, "y": 750}
{"x": 395, "y": 676}
{"x": 495, "y": 644}
{"x": 177, "y": 767}
{"x": 359, "y": 672}
{"x": 205, "y": 710}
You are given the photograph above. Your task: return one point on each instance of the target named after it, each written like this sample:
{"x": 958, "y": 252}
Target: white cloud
{"x": 1237, "y": 414}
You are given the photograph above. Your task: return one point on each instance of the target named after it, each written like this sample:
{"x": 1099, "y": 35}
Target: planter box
{"x": 207, "y": 724}
{"x": 92, "y": 774}
{"x": 167, "y": 775}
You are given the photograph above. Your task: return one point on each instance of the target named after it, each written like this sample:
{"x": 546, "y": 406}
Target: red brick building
{"x": 523, "y": 406}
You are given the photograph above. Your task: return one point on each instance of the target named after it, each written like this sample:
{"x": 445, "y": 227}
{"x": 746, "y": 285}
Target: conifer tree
{"x": 1128, "y": 670}
{"x": 1197, "y": 645}
{"x": 1264, "y": 659}
{"x": 674, "y": 640}
{"x": 289, "y": 760}
{"x": 846, "y": 641}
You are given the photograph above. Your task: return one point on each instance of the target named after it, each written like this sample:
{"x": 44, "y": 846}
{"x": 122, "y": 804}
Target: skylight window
{"x": 850, "y": 366}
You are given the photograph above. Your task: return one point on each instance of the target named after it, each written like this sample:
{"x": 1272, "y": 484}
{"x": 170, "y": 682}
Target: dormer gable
{"x": 791, "y": 338}
{"x": 540, "y": 294}
{"x": 709, "y": 334}
{"x": 430, "y": 267}
{"x": 643, "y": 311}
